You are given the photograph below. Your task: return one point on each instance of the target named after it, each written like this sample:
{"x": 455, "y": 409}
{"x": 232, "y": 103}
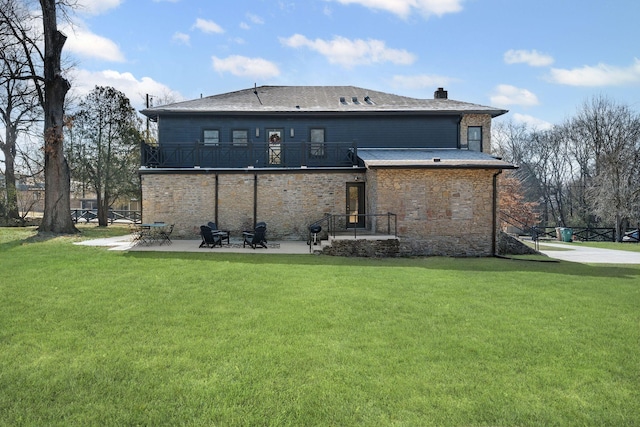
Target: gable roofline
{"x": 317, "y": 100}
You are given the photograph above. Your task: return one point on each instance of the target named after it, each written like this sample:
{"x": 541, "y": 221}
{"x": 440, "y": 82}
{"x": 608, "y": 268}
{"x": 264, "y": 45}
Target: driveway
{"x": 575, "y": 252}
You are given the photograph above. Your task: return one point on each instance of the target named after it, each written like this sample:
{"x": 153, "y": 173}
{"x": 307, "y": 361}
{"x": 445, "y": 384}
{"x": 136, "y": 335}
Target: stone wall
{"x": 287, "y": 202}
{"x": 439, "y": 211}
{"x": 509, "y": 245}
{"x": 363, "y": 248}
{"x": 483, "y": 120}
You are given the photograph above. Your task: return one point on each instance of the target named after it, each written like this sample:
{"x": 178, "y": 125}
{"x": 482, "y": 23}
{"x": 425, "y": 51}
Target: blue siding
{"x": 368, "y": 132}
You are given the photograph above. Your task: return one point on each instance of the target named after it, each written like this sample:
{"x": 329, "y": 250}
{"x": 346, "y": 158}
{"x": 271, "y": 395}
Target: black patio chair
{"x": 165, "y": 235}
{"x": 224, "y": 234}
{"x": 257, "y": 237}
{"x": 209, "y": 238}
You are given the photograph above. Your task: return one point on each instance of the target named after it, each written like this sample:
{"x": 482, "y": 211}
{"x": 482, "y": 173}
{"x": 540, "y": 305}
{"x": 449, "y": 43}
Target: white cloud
{"x": 530, "y": 57}
{"x": 255, "y": 19}
{"x": 532, "y": 122}
{"x": 207, "y": 26}
{"x": 421, "y": 81}
{"x": 96, "y": 7}
{"x": 181, "y": 38}
{"x": 246, "y": 67}
{"x": 404, "y": 8}
{"x": 599, "y": 75}
{"x": 83, "y": 42}
{"x": 245, "y": 26}
{"x": 83, "y": 81}
{"x": 511, "y": 95}
{"x": 350, "y": 53}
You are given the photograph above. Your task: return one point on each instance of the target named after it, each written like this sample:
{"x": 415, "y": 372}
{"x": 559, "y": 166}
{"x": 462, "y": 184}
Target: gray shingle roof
{"x": 284, "y": 99}
{"x": 429, "y": 158}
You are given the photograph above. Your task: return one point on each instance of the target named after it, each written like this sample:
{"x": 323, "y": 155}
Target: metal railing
{"x": 348, "y": 224}
{"x": 249, "y": 154}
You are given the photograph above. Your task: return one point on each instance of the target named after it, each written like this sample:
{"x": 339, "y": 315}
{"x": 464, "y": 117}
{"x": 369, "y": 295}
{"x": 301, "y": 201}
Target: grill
{"x": 314, "y": 230}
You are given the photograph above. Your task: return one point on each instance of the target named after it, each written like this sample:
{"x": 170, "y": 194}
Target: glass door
{"x": 355, "y": 205}
{"x": 274, "y": 137}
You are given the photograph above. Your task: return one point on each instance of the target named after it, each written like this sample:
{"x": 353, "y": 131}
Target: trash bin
{"x": 567, "y": 234}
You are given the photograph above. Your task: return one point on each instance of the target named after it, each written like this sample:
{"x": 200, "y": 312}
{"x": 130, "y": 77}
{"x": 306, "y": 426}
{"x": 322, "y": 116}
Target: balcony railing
{"x": 249, "y": 154}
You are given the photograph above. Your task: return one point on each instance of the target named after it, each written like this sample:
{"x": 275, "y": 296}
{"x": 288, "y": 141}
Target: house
{"x": 363, "y": 160}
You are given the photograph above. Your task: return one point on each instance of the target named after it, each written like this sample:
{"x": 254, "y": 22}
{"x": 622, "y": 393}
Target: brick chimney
{"x": 440, "y": 94}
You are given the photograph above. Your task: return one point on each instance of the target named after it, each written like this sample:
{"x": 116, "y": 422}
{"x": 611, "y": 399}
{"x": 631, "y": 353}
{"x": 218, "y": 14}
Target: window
{"x": 316, "y": 149}
{"x": 211, "y": 136}
{"x": 240, "y": 137}
{"x": 474, "y": 138}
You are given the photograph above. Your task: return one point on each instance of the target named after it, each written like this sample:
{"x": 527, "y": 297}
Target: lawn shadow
{"x": 489, "y": 264}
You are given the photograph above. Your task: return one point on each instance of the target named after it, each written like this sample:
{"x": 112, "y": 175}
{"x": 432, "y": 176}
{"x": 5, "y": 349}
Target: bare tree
{"x": 57, "y": 199}
{"x": 19, "y": 106}
{"x": 104, "y": 147}
{"x": 611, "y": 132}
{"x": 44, "y": 70}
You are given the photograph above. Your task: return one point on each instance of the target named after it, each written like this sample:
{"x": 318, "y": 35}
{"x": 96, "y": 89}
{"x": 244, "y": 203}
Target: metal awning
{"x": 430, "y": 158}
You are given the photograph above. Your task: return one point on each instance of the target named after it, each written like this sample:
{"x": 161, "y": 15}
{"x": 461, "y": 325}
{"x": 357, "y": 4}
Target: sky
{"x": 541, "y": 60}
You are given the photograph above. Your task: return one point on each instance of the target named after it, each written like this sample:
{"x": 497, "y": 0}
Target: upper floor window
{"x": 211, "y": 136}
{"x": 316, "y": 136}
{"x": 240, "y": 137}
{"x": 474, "y": 138}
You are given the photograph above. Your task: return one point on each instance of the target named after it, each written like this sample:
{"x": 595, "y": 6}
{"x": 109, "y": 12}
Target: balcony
{"x": 228, "y": 155}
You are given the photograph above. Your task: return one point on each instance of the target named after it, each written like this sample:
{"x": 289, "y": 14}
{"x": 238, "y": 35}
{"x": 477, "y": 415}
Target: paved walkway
{"x": 124, "y": 243}
{"x": 575, "y": 252}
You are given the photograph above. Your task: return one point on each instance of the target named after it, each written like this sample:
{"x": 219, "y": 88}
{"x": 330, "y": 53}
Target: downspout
{"x": 216, "y": 203}
{"x": 494, "y": 229}
{"x": 255, "y": 199}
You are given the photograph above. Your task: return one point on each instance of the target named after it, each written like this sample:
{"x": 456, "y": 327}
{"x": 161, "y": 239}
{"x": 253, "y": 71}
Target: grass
{"x": 96, "y": 337}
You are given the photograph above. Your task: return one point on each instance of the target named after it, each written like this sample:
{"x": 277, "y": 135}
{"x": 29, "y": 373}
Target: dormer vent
{"x": 354, "y": 99}
{"x": 368, "y": 100}
{"x": 343, "y": 100}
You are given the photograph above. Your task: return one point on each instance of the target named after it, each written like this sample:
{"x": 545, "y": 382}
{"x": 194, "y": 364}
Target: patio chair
{"x": 135, "y": 231}
{"x": 165, "y": 235}
{"x": 209, "y": 238}
{"x": 256, "y": 237}
{"x": 224, "y": 234}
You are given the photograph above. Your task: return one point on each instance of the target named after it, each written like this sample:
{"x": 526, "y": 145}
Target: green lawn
{"x": 96, "y": 337}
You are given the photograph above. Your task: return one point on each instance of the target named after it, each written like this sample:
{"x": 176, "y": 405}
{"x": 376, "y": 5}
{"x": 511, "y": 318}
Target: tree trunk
{"x": 9, "y": 151}
{"x": 103, "y": 210}
{"x": 57, "y": 194}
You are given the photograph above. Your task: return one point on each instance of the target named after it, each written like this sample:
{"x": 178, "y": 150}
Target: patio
{"x": 124, "y": 243}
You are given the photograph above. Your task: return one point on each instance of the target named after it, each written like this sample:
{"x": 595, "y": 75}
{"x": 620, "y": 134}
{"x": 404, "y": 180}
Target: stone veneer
{"x": 483, "y": 120}
{"x": 287, "y": 201}
{"x": 439, "y": 211}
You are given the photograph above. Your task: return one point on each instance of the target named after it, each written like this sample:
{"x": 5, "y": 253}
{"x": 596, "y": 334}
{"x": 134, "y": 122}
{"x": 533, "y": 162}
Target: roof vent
{"x": 354, "y": 99}
{"x": 440, "y": 94}
{"x": 368, "y": 100}
{"x": 343, "y": 101}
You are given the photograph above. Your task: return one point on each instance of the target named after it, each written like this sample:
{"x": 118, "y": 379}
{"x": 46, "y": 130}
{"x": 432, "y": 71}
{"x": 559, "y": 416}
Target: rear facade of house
{"x": 349, "y": 158}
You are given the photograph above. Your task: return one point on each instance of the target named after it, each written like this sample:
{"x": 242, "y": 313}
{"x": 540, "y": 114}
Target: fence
{"x": 89, "y": 215}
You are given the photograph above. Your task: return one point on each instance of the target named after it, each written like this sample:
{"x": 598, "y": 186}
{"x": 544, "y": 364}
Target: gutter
{"x": 494, "y": 228}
